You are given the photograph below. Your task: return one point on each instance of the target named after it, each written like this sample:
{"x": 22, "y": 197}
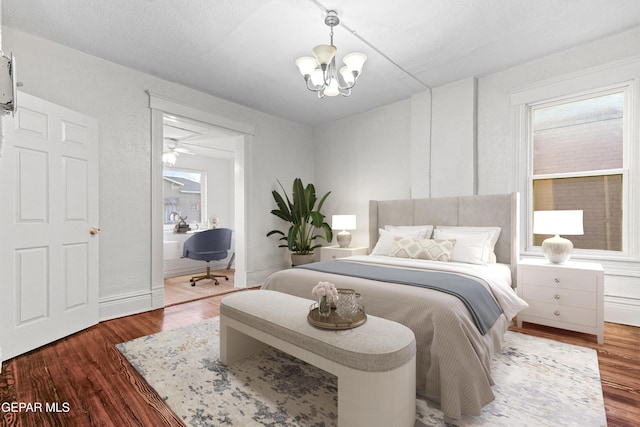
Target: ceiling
{"x": 244, "y": 50}
{"x": 186, "y": 137}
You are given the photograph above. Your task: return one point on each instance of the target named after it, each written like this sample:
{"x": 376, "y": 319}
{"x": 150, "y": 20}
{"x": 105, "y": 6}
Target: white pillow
{"x": 494, "y": 234}
{"x": 385, "y": 241}
{"x": 423, "y": 231}
{"x": 430, "y": 249}
{"x": 471, "y": 248}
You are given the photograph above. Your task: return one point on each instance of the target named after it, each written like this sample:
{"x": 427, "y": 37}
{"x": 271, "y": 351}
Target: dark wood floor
{"x": 93, "y": 384}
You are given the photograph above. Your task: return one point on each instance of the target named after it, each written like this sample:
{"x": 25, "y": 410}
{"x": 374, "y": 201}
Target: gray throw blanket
{"x": 483, "y": 308}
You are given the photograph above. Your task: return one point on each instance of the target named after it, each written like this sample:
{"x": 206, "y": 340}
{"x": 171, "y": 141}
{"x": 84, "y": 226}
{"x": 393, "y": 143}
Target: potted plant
{"x": 304, "y": 217}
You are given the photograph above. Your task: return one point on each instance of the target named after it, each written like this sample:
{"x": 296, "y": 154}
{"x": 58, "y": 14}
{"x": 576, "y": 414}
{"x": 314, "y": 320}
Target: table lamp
{"x": 344, "y": 223}
{"x": 557, "y": 249}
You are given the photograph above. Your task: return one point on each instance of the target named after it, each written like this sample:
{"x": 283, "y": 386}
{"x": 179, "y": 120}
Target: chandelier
{"x": 320, "y": 72}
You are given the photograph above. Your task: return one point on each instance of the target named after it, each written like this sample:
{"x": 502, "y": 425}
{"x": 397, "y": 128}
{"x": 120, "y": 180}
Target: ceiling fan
{"x": 172, "y": 150}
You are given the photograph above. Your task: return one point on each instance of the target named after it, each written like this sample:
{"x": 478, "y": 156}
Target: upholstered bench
{"x": 375, "y": 363}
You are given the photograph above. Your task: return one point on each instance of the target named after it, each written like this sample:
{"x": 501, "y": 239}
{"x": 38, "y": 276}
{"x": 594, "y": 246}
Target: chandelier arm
{"x": 348, "y": 87}
{"x": 311, "y": 88}
{"x": 329, "y": 71}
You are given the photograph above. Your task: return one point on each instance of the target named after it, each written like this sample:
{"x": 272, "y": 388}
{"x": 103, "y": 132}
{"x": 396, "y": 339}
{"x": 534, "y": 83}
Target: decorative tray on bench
{"x": 333, "y": 320}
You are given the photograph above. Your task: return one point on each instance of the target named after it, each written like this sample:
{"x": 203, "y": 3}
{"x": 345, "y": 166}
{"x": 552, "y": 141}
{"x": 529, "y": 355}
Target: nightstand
{"x": 327, "y": 253}
{"x": 567, "y": 296}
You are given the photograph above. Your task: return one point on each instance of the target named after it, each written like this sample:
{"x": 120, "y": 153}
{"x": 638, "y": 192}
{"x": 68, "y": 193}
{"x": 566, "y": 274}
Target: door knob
{"x": 94, "y": 230}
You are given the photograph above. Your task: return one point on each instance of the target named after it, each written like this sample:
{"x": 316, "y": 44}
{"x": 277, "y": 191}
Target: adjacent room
{"x": 320, "y": 212}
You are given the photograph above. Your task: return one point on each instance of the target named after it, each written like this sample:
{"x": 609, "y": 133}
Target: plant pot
{"x": 297, "y": 259}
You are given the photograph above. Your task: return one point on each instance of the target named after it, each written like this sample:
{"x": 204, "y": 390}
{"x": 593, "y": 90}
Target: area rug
{"x": 539, "y": 382}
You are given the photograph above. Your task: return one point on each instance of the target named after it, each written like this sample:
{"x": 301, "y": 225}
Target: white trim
{"x": 124, "y": 305}
{"x": 157, "y": 207}
{"x": 625, "y": 311}
{"x": 257, "y": 278}
{"x": 172, "y": 106}
{"x": 159, "y": 106}
{"x": 183, "y": 271}
{"x": 611, "y": 73}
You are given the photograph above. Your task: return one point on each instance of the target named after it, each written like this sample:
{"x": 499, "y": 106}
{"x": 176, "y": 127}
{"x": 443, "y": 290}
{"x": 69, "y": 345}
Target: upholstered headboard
{"x": 499, "y": 210}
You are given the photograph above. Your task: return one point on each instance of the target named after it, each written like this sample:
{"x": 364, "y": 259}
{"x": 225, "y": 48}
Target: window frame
{"x": 623, "y": 170}
{"x": 607, "y": 79}
{"x": 203, "y": 193}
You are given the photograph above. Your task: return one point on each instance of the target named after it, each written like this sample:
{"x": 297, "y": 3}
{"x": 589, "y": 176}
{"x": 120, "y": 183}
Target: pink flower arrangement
{"x": 323, "y": 289}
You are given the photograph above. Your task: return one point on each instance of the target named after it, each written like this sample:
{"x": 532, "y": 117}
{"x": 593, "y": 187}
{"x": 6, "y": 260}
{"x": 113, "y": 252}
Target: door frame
{"x": 160, "y": 106}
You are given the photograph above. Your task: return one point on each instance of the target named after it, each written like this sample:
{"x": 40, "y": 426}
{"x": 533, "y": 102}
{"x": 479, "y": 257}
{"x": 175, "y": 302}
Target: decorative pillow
{"x": 493, "y": 231}
{"x": 422, "y": 231}
{"x": 385, "y": 241}
{"x": 434, "y": 250}
{"x": 471, "y": 248}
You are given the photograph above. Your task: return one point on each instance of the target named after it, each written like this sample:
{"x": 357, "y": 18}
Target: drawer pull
{"x": 556, "y": 313}
{"x": 556, "y": 296}
{"x": 556, "y": 280}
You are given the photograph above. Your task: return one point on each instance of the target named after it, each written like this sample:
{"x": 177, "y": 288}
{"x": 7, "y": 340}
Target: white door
{"x": 48, "y": 205}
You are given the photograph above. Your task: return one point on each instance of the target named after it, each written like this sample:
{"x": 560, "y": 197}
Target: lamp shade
{"x": 347, "y": 75}
{"x": 566, "y": 222}
{"x": 332, "y": 89}
{"x": 306, "y": 65}
{"x": 343, "y": 222}
{"x": 324, "y": 53}
{"x": 355, "y": 61}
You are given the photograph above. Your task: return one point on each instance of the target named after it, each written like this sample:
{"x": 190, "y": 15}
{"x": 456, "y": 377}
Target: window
{"x": 182, "y": 193}
{"x": 577, "y": 162}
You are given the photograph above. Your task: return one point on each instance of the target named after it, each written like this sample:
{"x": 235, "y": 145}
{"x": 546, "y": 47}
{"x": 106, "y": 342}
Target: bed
{"x": 454, "y": 347}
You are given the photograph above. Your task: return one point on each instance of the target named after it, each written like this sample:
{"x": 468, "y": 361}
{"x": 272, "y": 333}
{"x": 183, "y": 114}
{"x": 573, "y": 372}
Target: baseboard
{"x": 124, "y": 305}
{"x": 625, "y": 311}
{"x": 257, "y": 278}
{"x": 183, "y": 271}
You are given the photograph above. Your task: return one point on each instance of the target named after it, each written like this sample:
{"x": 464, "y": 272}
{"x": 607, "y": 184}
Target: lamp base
{"x": 344, "y": 239}
{"x": 557, "y": 249}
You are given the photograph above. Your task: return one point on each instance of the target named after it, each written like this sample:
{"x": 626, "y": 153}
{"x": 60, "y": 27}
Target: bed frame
{"x": 499, "y": 210}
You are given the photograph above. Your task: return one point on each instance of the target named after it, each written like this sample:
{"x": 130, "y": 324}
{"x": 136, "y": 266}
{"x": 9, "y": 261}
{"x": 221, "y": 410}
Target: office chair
{"x": 208, "y": 245}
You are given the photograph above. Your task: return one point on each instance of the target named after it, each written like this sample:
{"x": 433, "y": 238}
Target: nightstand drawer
{"x": 585, "y": 281}
{"x": 564, "y": 314}
{"x": 560, "y": 297}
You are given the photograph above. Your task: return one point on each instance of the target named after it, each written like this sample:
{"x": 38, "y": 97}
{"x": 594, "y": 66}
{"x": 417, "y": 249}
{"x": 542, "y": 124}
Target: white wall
{"x": 364, "y": 157}
{"x": 116, "y": 97}
{"x": 453, "y": 139}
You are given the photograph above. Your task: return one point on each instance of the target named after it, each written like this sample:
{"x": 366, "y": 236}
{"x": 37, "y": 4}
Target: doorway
{"x": 161, "y": 107}
{"x": 198, "y": 194}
